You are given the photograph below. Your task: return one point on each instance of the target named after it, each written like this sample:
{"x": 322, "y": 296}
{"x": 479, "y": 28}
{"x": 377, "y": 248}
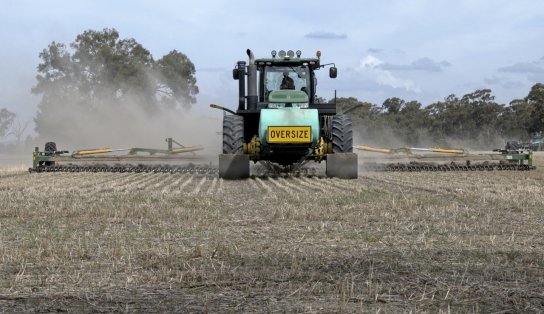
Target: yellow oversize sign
{"x": 289, "y": 134}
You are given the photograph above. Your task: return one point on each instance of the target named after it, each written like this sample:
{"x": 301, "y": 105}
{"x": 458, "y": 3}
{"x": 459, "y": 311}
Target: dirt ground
{"x": 385, "y": 242}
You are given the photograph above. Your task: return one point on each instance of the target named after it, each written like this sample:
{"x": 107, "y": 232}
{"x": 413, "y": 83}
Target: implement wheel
{"x": 50, "y": 147}
{"x": 233, "y": 163}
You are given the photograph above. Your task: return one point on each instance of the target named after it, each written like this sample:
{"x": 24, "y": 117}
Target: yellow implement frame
{"x": 92, "y": 151}
{"x": 409, "y": 150}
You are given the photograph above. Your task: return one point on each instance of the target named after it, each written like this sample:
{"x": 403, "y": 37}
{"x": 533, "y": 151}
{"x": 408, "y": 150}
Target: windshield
{"x": 286, "y": 78}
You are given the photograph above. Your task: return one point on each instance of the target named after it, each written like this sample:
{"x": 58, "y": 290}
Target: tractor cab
{"x": 285, "y": 86}
{"x": 286, "y": 80}
{"x": 267, "y": 79}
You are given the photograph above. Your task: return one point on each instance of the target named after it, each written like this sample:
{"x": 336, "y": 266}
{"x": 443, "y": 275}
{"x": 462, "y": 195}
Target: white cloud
{"x": 325, "y": 35}
{"x": 423, "y": 64}
{"x": 370, "y": 62}
{"x": 371, "y": 65}
{"x": 534, "y": 67}
{"x": 533, "y": 70}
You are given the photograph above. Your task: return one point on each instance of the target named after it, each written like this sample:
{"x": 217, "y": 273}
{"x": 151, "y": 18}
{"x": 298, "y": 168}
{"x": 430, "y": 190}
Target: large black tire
{"x": 233, "y": 134}
{"x": 342, "y": 134}
{"x": 342, "y": 165}
{"x": 234, "y": 166}
{"x": 50, "y": 147}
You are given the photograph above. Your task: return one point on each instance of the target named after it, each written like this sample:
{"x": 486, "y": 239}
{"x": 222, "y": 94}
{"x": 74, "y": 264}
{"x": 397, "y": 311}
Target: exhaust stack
{"x": 241, "y": 69}
{"x": 252, "y": 97}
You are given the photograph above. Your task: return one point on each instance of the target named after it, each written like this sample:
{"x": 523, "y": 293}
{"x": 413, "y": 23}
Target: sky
{"x": 417, "y": 50}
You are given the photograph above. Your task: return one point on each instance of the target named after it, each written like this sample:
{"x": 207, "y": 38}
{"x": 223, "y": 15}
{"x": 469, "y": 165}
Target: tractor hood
{"x": 289, "y": 117}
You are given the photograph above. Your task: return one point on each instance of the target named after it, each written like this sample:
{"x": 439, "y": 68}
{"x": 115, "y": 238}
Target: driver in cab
{"x": 287, "y": 82}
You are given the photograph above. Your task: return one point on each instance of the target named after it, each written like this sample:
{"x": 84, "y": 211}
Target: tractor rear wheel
{"x": 342, "y": 134}
{"x": 233, "y": 163}
{"x": 233, "y": 134}
{"x": 342, "y": 163}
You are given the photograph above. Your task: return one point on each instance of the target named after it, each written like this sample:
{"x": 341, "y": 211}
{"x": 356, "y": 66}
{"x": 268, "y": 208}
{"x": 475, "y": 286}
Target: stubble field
{"x": 386, "y": 242}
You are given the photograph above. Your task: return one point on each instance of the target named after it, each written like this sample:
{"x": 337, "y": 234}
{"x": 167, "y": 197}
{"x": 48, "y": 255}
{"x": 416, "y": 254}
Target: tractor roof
{"x": 287, "y": 61}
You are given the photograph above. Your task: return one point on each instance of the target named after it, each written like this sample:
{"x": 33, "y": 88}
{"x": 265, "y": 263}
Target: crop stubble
{"x": 161, "y": 242}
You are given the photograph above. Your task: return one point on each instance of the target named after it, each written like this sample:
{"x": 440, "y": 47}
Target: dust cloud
{"x": 120, "y": 126}
{"x": 387, "y": 137}
{"x": 124, "y": 125}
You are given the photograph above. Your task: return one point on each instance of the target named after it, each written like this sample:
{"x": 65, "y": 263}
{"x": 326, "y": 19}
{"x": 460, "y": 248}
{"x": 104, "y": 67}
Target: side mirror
{"x": 235, "y": 74}
{"x": 333, "y": 72}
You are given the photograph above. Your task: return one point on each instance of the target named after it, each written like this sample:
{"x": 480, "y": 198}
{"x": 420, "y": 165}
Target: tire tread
{"x": 342, "y": 134}
{"x": 233, "y": 134}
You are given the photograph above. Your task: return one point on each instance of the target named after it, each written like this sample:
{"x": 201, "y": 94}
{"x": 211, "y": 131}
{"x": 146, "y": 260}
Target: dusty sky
{"x": 417, "y": 50}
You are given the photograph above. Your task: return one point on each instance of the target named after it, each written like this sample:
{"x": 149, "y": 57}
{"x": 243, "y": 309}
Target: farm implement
{"x": 173, "y": 159}
{"x": 280, "y": 123}
{"x": 411, "y": 159}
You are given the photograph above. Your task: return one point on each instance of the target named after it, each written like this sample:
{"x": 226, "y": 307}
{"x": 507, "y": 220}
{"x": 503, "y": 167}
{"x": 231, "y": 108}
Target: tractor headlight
{"x": 273, "y": 53}
{"x": 281, "y": 54}
{"x": 299, "y": 53}
{"x": 290, "y": 53}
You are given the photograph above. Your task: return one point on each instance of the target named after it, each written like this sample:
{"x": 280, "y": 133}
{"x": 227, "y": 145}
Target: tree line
{"x": 475, "y": 119}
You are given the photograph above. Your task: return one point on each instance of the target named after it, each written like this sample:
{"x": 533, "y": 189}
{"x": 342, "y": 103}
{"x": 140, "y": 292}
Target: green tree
{"x": 475, "y": 117}
{"x": 485, "y": 114}
{"x": 412, "y": 123}
{"x": 108, "y": 68}
{"x": 406, "y": 119}
{"x": 176, "y": 81}
{"x": 367, "y": 118}
{"x": 347, "y": 103}
{"x": 536, "y": 100}
{"x": 517, "y": 120}
{"x": 393, "y": 105}
{"x": 100, "y": 70}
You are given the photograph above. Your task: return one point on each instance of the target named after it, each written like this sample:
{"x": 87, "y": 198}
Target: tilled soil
{"x": 156, "y": 242}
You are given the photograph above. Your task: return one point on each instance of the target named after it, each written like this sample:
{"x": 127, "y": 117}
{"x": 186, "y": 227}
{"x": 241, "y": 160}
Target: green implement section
{"x": 42, "y": 159}
{"x": 520, "y": 158}
{"x": 435, "y": 159}
{"x": 290, "y": 116}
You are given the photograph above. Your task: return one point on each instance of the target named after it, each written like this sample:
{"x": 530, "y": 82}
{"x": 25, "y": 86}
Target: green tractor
{"x": 279, "y": 121}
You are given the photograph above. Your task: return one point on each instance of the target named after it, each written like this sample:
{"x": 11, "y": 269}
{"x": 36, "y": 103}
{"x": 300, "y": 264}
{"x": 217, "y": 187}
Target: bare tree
{"x": 18, "y": 129}
{"x": 6, "y": 121}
